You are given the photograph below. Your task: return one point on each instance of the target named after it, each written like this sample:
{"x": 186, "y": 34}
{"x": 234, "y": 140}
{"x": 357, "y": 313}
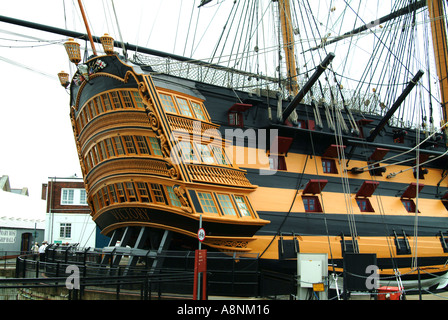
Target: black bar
{"x": 395, "y": 106}
{"x": 128, "y": 46}
{"x": 319, "y": 70}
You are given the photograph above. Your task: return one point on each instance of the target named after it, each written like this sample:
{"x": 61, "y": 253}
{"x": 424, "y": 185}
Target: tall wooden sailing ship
{"x": 284, "y": 166}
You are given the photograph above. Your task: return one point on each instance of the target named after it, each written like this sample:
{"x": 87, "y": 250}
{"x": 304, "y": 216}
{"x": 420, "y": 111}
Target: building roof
{"x": 18, "y": 211}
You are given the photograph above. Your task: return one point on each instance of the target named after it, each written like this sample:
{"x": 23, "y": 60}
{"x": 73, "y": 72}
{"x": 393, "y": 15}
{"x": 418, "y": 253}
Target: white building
{"x": 22, "y": 220}
{"x": 68, "y": 217}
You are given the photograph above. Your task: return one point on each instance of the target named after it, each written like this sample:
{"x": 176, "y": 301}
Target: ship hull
{"x": 137, "y": 175}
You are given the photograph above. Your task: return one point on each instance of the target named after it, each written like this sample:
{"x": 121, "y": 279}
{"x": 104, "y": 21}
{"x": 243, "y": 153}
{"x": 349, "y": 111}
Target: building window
{"x": 364, "y": 205}
{"x": 329, "y": 166}
{"x": 226, "y": 205}
{"x": 207, "y": 203}
{"x": 82, "y": 197}
{"x": 65, "y": 230}
{"x": 242, "y": 205}
{"x": 311, "y": 204}
{"x": 68, "y": 196}
{"x": 71, "y": 196}
{"x": 129, "y": 143}
{"x": 408, "y": 204}
{"x": 173, "y": 197}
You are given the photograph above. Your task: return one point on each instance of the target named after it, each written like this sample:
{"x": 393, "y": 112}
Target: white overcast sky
{"x": 36, "y": 138}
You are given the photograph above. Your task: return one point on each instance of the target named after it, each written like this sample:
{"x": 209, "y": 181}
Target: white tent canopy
{"x": 19, "y": 211}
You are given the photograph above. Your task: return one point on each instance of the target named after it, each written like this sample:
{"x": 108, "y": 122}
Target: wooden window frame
{"x": 143, "y": 192}
{"x": 173, "y": 198}
{"x": 99, "y": 104}
{"x": 205, "y": 202}
{"x": 172, "y": 108}
{"x": 116, "y": 100}
{"x": 225, "y": 207}
{"x": 114, "y": 140}
{"x": 107, "y": 105}
{"x": 329, "y": 166}
{"x": 138, "y": 101}
{"x": 112, "y": 194}
{"x": 153, "y": 141}
{"x": 110, "y": 150}
{"x": 131, "y": 194}
{"x": 235, "y": 119}
{"x": 409, "y": 205}
{"x": 306, "y": 203}
{"x": 184, "y": 107}
{"x": 220, "y": 156}
{"x": 103, "y": 150}
{"x": 203, "y": 148}
{"x": 129, "y": 144}
{"x": 183, "y": 149}
{"x": 142, "y": 145}
{"x": 201, "y": 114}
{"x": 121, "y": 193}
{"x": 127, "y": 100}
{"x": 155, "y": 195}
{"x": 364, "y": 204}
{"x": 246, "y": 204}
{"x": 277, "y": 162}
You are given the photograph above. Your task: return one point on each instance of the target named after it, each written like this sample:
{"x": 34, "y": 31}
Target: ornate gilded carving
{"x": 180, "y": 193}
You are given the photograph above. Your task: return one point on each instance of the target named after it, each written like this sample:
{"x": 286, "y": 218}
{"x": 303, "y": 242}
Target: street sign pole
{"x": 200, "y": 266}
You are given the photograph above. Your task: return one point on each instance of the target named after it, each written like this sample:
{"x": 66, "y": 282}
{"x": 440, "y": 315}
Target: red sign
{"x": 201, "y": 260}
{"x": 200, "y": 266}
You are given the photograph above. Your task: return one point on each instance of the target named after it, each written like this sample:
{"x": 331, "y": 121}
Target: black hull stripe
{"x": 316, "y": 224}
{"x": 289, "y": 180}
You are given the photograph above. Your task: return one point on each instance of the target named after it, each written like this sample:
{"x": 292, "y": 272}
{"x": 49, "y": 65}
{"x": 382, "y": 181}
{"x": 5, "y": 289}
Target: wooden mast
{"x": 435, "y": 8}
{"x": 288, "y": 45}
{"x": 87, "y": 27}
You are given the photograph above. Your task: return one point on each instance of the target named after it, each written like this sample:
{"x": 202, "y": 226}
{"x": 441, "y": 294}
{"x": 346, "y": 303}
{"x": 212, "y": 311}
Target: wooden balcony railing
{"x": 218, "y": 175}
{"x": 191, "y": 126}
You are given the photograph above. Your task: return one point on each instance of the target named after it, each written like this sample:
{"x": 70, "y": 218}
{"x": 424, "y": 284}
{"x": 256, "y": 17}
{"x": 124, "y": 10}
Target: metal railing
{"x": 131, "y": 275}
